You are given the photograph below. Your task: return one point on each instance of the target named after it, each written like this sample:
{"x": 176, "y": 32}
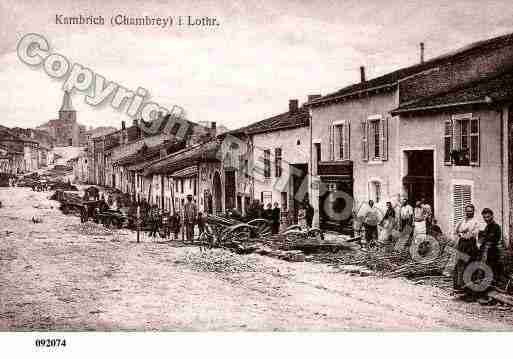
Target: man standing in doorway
{"x": 190, "y": 214}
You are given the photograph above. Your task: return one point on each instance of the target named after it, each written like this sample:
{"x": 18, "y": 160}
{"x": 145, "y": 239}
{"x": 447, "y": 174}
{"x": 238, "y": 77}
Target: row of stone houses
{"x": 24, "y": 150}
{"x": 438, "y": 130}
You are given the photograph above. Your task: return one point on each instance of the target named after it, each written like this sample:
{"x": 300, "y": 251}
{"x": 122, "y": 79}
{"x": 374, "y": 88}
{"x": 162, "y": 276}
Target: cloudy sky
{"x": 262, "y": 54}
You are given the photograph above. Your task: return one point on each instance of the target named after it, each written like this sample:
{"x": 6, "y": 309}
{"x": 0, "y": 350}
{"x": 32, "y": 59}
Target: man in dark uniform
{"x": 309, "y": 212}
{"x": 275, "y": 218}
{"x": 490, "y": 239}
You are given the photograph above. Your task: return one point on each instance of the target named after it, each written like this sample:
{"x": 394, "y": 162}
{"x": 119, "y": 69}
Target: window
{"x": 461, "y": 196}
{"x": 277, "y": 162}
{"x": 266, "y": 197}
{"x": 375, "y": 191}
{"x": 374, "y": 140}
{"x": 267, "y": 163}
{"x": 194, "y": 186}
{"x": 181, "y": 185}
{"x": 341, "y": 141}
{"x": 461, "y": 141}
{"x": 318, "y": 151}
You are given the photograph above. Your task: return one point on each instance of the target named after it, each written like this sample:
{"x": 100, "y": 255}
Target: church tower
{"x": 67, "y": 112}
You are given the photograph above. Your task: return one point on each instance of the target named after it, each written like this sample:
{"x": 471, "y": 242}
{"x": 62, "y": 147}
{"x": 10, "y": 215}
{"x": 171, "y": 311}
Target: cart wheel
{"x": 316, "y": 233}
{"x": 263, "y": 227}
{"x": 294, "y": 235}
{"x": 239, "y": 232}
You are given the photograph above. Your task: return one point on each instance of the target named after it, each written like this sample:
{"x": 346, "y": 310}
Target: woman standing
{"x": 388, "y": 223}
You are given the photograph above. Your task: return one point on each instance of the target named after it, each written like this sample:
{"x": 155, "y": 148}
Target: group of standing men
{"x": 418, "y": 221}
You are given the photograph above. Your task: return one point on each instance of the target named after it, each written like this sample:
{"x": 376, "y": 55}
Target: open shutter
{"x": 330, "y": 145}
{"x": 347, "y": 141}
{"x": 384, "y": 139}
{"x": 365, "y": 147}
{"x": 448, "y": 141}
{"x": 474, "y": 142}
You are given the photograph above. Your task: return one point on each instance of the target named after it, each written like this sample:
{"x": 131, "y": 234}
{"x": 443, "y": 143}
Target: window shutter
{"x": 474, "y": 142}
{"x": 332, "y": 143}
{"x": 384, "y": 139}
{"x": 365, "y": 147}
{"x": 347, "y": 141}
{"x": 330, "y": 135}
{"x": 448, "y": 141}
{"x": 462, "y": 196}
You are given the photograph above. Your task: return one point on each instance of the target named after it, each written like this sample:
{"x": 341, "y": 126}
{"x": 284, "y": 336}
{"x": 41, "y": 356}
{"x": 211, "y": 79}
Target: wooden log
{"x": 501, "y": 297}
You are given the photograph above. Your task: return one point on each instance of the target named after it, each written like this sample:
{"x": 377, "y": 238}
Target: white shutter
{"x": 365, "y": 147}
{"x": 462, "y": 196}
{"x": 347, "y": 140}
{"x": 384, "y": 139}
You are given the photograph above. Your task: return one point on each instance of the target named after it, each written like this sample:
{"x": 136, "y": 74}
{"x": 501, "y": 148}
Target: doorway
{"x": 229, "y": 189}
{"x": 217, "y": 192}
{"x": 419, "y": 180}
{"x": 299, "y": 188}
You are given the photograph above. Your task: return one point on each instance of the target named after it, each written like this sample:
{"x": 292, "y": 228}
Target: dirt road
{"x": 60, "y": 275}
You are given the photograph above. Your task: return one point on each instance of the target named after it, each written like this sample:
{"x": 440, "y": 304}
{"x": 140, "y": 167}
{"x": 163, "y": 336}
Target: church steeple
{"x": 67, "y": 112}
{"x": 66, "y": 102}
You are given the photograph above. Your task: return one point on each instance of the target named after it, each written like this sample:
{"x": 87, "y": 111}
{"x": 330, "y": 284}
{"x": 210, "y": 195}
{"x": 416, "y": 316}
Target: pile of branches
{"x": 218, "y": 261}
{"x": 90, "y": 228}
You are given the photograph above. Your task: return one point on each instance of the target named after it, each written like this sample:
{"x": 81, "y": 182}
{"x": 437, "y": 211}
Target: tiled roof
{"x": 283, "y": 121}
{"x": 389, "y": 80}
{"x": 186, "y": 172}
{"x": 494, "y": 89}
{"x": 189, "y": 156}
{"x": 149, "y": 153}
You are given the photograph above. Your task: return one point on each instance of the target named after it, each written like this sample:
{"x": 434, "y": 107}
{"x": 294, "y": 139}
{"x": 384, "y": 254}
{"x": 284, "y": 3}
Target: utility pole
{"x": 138, "y": 222}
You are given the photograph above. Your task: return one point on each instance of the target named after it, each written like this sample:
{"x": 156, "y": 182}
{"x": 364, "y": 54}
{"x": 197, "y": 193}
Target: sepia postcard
{"x": 255, "y": 166}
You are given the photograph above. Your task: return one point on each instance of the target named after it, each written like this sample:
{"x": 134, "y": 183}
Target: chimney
{"x": 313, "y": 97}
{"x": 136, "y": 122}
{"x": 213, "y": 129}
{"x": 293, "y": 105}
{"x": 421, "y": 52}
{"x": 362, "y": 74}
{"x": 123, "y": 125}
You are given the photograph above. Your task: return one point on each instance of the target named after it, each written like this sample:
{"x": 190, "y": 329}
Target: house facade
{"x": 398, "y": 146}
{"x": 279, "y": 158}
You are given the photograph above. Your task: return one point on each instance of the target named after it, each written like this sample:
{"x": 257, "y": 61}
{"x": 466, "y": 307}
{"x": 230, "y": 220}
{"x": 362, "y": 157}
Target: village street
{"x": 61, "y": 275}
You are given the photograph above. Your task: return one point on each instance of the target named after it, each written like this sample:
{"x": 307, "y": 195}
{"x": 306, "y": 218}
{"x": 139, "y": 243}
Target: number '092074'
{"x": 50, "y": 343}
